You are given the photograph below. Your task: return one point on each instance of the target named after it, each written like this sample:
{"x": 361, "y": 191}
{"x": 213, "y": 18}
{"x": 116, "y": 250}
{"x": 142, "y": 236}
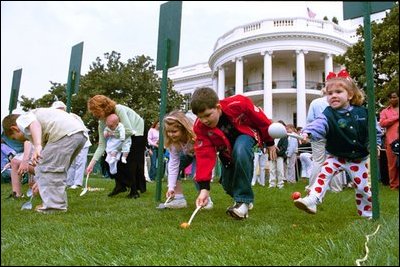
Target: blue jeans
{"x": 153, "y": 163}
{"x": 236, "y": 179}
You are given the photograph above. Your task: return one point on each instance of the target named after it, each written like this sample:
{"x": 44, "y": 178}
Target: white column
{"x": 221, "y": 82}
{"x": 301, "y": 88}
{"x": 239, "y": 76}
{"x": 215, "y": 83}
{"x": 267, "y": 83}
{"x": 328, "y": 64}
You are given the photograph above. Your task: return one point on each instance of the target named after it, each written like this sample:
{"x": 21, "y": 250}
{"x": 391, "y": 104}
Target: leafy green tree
{"x": 335, "y": 20}
{"x": 385, "y": 49}
{"x": 56, "y": 92}
{"x": 134, "y": 84}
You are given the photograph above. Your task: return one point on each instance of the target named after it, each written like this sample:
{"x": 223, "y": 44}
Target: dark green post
{"x": 16, "y": 81}
{"x": 373, "y": 159}
{"x": 169, "y": 32}
{"x": 164, "y": 84}
{"x": 74, "y": 72}
{"x": 352, "y": 10}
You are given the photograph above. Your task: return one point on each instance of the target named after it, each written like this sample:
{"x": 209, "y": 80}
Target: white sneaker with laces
{"x": 239, "y": 211}
{"x": 251, "y": 205}
{"x": 209, "y": 205}
{"x": 176, "y": 203}
{"x": 123, "y": 160}
{"x": 308, "y": 204}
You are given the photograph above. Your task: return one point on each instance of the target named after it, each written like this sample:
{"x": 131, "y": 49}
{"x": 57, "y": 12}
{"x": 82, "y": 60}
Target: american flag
{"x": 311, "y": 14}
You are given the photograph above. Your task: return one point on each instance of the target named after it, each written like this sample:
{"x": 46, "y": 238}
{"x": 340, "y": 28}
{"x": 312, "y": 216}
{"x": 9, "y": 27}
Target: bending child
{"x": 232, "y": 127}
{"x": 179, "y": 140}
{"x": 49, "y": 130}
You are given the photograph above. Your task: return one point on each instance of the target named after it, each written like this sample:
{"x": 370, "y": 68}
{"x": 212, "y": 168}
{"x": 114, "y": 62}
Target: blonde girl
{"x": 179, "y": 140}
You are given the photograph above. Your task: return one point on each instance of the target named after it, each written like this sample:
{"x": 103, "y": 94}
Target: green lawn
{"x": 99, "y": 230}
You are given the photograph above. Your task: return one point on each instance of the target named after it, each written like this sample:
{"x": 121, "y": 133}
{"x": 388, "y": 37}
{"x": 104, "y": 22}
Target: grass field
{"x": 99, "y": 230}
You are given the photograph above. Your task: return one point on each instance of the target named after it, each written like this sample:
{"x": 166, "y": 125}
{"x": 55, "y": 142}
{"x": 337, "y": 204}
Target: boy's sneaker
{"x": 209, "y": 205}
{"x": 308, "y": 204}
{"x": 176, "y": 203}
{"x": 123, "y": 159}
{"x": 251, "y": 205}
{"x": 239, "y": 211}
{"x": 39, "y": 208}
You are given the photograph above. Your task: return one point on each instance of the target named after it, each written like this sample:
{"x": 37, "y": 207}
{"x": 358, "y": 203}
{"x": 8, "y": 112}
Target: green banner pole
{"x": 70, "y": 91}
{"x": 373, "y": 159}
{"x": 16, "y": 81}
{"x": 164, "y": 83}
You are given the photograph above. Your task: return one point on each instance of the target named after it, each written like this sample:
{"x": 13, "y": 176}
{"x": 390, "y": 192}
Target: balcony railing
{"x": 278, "y": 84}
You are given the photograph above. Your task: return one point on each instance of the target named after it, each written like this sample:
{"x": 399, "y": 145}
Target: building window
{"x": 295, "y": 119}
{"x": 186, "y": 102}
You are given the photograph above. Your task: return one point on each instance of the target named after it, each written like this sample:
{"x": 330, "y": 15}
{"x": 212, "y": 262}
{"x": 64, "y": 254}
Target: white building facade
{"x": 281, "y": 64}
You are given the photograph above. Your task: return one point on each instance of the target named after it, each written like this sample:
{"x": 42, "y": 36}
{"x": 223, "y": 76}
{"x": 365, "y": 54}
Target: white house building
{"x": 280, "y": 63}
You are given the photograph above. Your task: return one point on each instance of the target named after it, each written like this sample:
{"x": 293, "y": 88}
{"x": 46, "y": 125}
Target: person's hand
{"x": 35, "y": 188}
{"x": 23, "y": 167}
{"x": 272, "y": 152}
{"x": 89, "y": 168}
{"x": 37, "y": 154}
{"x": 170, "y": 194}
{"x": 108, "y": 134}
{"x": 202, "y": 199}
{"x": 306, "y": 138}
{"x": 378, "y": 154}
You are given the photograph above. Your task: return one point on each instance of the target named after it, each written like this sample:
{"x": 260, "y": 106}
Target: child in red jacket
{"x": 232, "y": 127}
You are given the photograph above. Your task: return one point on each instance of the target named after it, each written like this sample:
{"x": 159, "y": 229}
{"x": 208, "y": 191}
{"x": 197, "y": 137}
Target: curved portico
{"x": 280, "y": 63}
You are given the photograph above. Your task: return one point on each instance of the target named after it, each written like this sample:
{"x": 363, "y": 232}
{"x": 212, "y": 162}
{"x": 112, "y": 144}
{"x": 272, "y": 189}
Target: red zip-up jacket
{"x": 245, "y": 117}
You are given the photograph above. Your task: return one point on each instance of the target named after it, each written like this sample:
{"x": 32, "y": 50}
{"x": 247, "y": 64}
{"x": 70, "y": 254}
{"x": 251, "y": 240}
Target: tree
{"x": 134, "y": 84}
{"x": 385, "y": 49}
{"x": 56, "y": 92}
{"x": 335, "y": 20}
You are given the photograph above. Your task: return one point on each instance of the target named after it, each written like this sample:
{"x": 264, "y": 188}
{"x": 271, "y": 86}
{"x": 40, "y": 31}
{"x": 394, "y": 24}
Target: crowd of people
{"x": 331, "y": 153}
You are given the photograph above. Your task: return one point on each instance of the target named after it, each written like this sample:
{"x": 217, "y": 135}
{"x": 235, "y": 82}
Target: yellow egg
{"x": 185, "y": 225}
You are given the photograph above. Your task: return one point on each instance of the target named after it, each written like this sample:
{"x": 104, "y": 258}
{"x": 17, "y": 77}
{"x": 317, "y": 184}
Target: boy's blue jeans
{"x": 236, "y": 179}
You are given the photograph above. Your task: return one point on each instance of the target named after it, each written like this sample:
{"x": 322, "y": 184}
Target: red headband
{"x": 341, "y": 74}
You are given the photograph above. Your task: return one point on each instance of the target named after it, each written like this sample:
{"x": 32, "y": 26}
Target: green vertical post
{"x": 169, "y": 32}
{"x": 74, "y": 72}
{"x": 16, "y": 81}
{"x": 164, "y": 84}
{"x": 373, "y": 165}
{"x": 70, "y": 84}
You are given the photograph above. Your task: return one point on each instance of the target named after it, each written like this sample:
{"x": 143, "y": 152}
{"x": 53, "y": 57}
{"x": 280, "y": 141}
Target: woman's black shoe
{"x": 133, "y": 195}
{"x": 117, "y": 191}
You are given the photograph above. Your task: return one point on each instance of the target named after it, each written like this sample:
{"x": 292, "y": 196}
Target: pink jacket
{"x": 245, "y": 117}
{"x": 389, "y": 119}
